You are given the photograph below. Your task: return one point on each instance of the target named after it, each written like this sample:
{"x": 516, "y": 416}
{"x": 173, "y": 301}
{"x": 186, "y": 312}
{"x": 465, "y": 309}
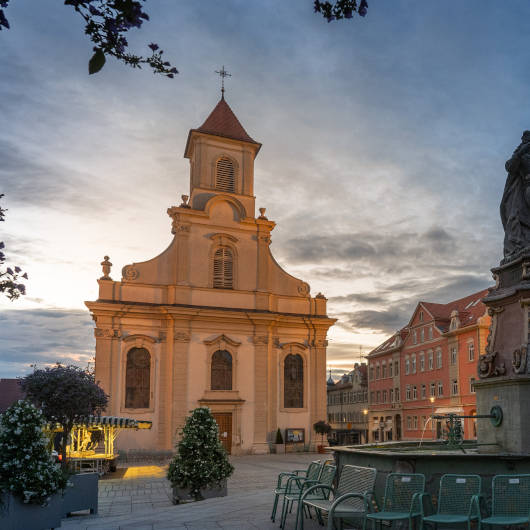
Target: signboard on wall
{"x": 295, "y": 435}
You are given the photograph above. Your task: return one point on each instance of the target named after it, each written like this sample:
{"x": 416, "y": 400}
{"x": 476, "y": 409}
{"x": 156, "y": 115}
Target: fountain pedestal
{"x": 504, "y": 370}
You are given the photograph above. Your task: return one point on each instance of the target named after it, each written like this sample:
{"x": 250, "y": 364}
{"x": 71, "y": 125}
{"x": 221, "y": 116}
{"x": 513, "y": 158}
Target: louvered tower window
{"x": 223, "y": 268}
{"x": 225, "y": 175}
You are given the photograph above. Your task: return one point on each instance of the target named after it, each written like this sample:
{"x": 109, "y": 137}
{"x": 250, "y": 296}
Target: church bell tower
{"x": 221, "y": 156}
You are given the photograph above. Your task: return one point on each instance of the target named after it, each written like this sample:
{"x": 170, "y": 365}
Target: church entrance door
{"x": 224, "y": 421}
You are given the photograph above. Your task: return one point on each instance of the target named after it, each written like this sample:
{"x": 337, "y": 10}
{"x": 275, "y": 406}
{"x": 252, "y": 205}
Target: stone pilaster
{"x": 264, "y": 240}
{"x": 183, "y": 260}
{"x": 107, "y": 369}
{"x": 261, "y": 341}
{"x": 273, "y": 386}
{"x": 318, "y": 386}
{"x": 179, "y": 387}
{"x": 164, "y": 382}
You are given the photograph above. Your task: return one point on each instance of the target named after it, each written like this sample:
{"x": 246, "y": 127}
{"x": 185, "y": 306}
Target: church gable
{"x": 219, "y": 244}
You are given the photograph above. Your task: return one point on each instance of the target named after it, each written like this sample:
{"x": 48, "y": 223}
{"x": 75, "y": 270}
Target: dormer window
{"x": 223, "y": 268}
{"x": 225, "y": 175}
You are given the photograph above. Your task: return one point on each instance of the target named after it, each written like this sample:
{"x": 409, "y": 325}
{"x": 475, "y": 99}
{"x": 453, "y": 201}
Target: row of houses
{"x": 427, "y": 368}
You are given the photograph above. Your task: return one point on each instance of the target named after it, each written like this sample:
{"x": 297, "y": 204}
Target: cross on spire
{"x": 223, "y": 73}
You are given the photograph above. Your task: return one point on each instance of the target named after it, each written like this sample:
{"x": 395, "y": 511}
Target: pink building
{"x": 428, "y": 367}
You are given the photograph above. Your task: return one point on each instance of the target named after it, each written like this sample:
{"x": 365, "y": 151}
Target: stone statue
{"x": 515, "y": 204}
{"x": 106, "y": 265}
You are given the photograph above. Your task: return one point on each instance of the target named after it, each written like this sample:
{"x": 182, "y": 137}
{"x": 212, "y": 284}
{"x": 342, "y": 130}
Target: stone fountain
{"x": 503, "y": 389}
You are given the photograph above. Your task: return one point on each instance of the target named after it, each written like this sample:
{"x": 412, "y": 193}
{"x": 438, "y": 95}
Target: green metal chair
{"x": 402, "y": 499}
{"x": 349, "y": 499}
{"x": 296, "y": 487}
{"x": 458, "y": 502}
{"x": 510, "y": 501}
{"x": 312, "y": 472}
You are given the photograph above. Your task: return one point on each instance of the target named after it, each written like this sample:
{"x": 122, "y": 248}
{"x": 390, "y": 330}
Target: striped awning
{"x": 111, "y": 421}
{"x": 115, "y": 421}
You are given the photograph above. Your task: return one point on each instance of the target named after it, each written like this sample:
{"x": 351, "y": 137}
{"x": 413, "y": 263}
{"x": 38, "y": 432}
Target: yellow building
{"x": 213, "y": 320}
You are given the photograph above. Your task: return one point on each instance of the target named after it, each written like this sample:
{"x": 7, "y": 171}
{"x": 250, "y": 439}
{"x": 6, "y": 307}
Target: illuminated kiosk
{"x": 91, "y": 447}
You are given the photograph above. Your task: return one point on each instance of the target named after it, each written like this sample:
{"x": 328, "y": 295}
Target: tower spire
{"x": 223, "y": 73}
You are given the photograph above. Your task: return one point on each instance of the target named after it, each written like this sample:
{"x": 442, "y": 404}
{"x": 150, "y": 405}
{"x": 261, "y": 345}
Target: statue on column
{"x": 106, "y": 265}
{"x": 515, "y": 204}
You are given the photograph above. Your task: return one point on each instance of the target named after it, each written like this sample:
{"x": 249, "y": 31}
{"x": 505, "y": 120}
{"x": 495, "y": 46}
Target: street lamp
{"x": 431, "y": 399}
{"x": 365, "y": 412}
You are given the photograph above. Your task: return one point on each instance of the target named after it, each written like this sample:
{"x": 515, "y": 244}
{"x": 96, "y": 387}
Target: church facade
{"x": 213, "y": 320}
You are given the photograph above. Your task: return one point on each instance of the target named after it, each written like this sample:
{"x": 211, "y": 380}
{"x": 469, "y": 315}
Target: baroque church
{"x": 213, "y": 320}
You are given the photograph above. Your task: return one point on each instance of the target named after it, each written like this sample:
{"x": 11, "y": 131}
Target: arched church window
{"x": 293, "y": 382}
{"x": 223, "y": 268}
{"x": 225, "y": 175}
{"x": 137, "y": 379}
{"x": 221, "y": 370}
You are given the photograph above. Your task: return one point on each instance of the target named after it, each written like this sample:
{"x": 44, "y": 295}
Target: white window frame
{"x": 471, "y": 351}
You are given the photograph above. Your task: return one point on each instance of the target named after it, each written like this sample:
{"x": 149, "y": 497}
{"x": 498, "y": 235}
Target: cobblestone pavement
{"x": 141, "y": 499}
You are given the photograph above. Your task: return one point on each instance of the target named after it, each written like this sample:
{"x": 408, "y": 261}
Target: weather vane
{"x": 223, "y": 73}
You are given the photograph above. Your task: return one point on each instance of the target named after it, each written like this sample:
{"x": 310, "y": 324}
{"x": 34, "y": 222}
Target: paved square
{"x": 141, "y": 499}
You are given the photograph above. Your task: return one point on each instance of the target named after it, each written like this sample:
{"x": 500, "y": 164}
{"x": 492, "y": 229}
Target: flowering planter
{"x": 15, "y": 515}
{"x": 83, "y": 495}
{"x": 181, "y": 495}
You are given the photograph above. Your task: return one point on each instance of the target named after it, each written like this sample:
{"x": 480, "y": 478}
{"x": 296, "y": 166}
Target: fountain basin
{"x": 433, "y": 459}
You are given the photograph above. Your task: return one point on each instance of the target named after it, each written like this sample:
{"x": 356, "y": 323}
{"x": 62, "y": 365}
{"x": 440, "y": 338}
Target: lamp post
{"x": 365, "y": 413}
{"x": 431, "y": 399}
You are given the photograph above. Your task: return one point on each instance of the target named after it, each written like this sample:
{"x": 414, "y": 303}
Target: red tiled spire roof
{"x": 223, "y": 122}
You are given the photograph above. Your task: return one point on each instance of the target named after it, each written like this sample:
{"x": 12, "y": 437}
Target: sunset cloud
{"x": 384, "y": 142}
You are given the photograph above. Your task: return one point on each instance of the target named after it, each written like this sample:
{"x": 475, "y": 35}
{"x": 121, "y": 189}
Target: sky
{"x": 384, "y": 143}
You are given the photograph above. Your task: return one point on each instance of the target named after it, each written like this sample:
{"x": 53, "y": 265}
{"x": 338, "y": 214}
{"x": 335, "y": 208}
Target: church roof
{"x": 223, "y": 122}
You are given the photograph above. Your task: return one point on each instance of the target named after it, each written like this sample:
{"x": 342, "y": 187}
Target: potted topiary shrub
{"x": 322, "y": 428}
{"x": 200, "y": 468}
{"x": 31, "y": 483}
{"x": 279, "y": 444}
{"x": 66, "y": 395}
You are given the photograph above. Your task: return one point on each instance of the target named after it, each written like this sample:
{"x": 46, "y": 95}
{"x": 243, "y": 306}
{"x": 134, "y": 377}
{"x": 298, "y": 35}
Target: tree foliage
{"x": 322, "y": 428}
{"x": 27, "y": 469}
{"x": 279, "y": 437}
{"x": 106, "y": 24}
{"x": 201, "y": 459}
{"x": 65, "y": 394}
{"x": 340, "y": 9}
{"x": 10, "y": 284}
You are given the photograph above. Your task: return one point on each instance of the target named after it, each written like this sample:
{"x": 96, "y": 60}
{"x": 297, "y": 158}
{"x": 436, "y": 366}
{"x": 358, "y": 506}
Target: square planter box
{"x": 83, "y": 495}
{"x": 280, "y": 449}
{"x": 183, "y": 495}
{"x": 15, "y": 515}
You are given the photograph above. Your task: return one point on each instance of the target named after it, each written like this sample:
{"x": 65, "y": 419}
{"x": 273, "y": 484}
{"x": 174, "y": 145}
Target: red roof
{"x": 223, "y": 122}
{"x": 10, "y": 392}
{"x": 470, "y": 309}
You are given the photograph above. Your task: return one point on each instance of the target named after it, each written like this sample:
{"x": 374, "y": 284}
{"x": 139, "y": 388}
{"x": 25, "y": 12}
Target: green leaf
{"x": 96, "y": 62}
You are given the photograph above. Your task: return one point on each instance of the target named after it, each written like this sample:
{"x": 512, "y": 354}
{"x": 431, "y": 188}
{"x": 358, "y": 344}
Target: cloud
{"x": 392, "y": 310}
{"x": 43, "y": 337}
